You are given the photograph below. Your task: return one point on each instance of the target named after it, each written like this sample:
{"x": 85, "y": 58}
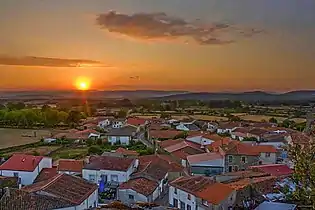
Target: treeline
{"x": 19, "y": 115}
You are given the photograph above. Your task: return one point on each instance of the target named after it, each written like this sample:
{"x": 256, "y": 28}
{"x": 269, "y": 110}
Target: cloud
{"x": 134, "y": 77}
{"x": 160, "y": 26}
{"x": 48, "y": 62}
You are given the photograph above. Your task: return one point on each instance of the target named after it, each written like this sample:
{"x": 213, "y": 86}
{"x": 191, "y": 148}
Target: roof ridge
{"x": 55, "y": 178}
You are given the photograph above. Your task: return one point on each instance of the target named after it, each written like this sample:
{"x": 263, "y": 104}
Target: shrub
{"x": 94, "y": 149}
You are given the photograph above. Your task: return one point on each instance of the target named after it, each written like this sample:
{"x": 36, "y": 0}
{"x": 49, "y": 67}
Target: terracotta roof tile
{"x": 21, "y": 162}
{"x": 166, "y": 160}
{"x": 109, "y": 163}
{"x": 136, "y": 121}
{"x": 164, "y": 134}
{"x": 124, "y": 151}
{"x": 204, "y": 157}
{"x": 140, "y": 185}
{"x": 64, "y": 187}
{"x": 241, "y": 184}
{"x": 277, "y": 170}
{"x": 216, "y": 193}
{"x": 70, "y": 165}
{"x": 264, "y": 148}
{"x": 19, "y": 199}
{"x": 45, "y": 174}
{"x": 237, "y": 148}
{"x": 170, "y": 142}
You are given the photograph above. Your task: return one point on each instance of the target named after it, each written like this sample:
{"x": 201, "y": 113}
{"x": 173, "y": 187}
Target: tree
{"x": 90, "y": 142}
{"x": 303, "y": 158}
{"x": 74, "y": 117}
{"x": 165, "y": 115}
{"x": 234, "y": 118}
{"x": 122, "y": 114}
{"x": 273, "y": 120}
{"x": 94, "y": 149}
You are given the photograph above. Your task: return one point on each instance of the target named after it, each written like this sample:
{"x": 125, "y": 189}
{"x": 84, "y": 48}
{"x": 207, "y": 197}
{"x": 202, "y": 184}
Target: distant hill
{"x": 161, "y": 95}
{"x": 131, "y": 94}
{"x": 245, "y": 96}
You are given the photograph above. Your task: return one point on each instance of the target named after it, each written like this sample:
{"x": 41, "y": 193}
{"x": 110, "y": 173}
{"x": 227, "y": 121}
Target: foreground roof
{"x": 65, "y": 187}
{"x": 136, "y": 121}
{"x": 215, "y": 193}
{"x": 127, "y": 152}
{"x": 109, "y": 163}
{"x": 21, "y": 162}
{"x": 46, "y": 173}
{"x": 16, "y": 199}
{"x": 237, "y": 148}
{"x": 141, "y": 185}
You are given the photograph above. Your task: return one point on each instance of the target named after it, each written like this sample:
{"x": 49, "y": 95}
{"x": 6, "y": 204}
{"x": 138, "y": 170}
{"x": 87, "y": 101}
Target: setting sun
{"x": 82, "y": 83}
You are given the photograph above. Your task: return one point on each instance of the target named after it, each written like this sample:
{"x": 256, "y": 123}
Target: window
{"x": 131, "y": 197}
{"x": 16, "y": 174}
{"x": 182, "y": 205}
{"x": 188, "y": 207}
{"x": 188, "y": 197}
{"x": 243, "y": 159}
{"x": 204, "y": 202}
{"x": 92, "y": 177}
{"x": 230, "y": 168}
{"x": 230, "y": 158}
{"x": 114, "y": 178}
{"x": 267, "y": 154}
{"x": 175, "y": 202}
{"x": 235, "y": 168}
{"x": 175, "y": 190}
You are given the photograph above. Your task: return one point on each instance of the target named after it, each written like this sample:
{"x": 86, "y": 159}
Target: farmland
{"x": 14, "y": 137}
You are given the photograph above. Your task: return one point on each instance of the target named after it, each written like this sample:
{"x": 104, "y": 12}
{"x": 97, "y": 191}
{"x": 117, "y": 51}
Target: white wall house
{"x": 70, "y": 192}
{"x": 181, "y": 199}
{"x": 26, "y": 167}
{"x": 104, "y": 123}
{"x": 124, "y": 140}
{"x": 118, "y": 123}
{"x": 268, "y": 158}
{"x": 109, "y": 169}
{"x": 206, "y": 164}
{"x": 138, "y": 190}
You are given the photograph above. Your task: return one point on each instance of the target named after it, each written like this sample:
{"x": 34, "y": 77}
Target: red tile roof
{"x": 182, "y": 145}
{"x": 124, "y": 151}
{"x": 242, "y": 183}
{"x": 257, "y": 131}
{"x": 237, "y": 148}
{"x": 204, "y": 157}
{"x": 136, "y": 121}
{"x": 203, "y": 187}
{"x": 109, "y": 163}
{"x": 229, "y": 125}
{"x": 64, "y": 187}
{"x": 21, "y": 162}
{"x": 277, "y": 170}
{"x": 170, "y": 142}
{"x": 265, "y": 148}
{"x": 46, "y": 173}
{"x": 70, "y": 165}
{"x": 141, "y": 185}
{"x": 19, "y": 199}
{"x": 216, "y": 193}
{"x": 165, "y": 160}
{"x": 215, "y": 145}
{"x": 164, "y": 134}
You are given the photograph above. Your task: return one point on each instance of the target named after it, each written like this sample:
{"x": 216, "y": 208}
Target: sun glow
{"x": 82, "y": 83}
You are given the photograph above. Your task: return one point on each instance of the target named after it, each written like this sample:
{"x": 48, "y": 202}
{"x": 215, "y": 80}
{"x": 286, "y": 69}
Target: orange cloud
{"x": 48, "y": 62}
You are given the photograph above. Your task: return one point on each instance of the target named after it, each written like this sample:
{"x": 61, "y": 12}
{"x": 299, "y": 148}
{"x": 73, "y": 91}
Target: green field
{"x": 70, "y": 153}
{"x": 14, "y": 137}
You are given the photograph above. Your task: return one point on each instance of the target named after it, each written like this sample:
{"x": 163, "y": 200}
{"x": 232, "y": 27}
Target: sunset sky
{"x": 196, "y": 45}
